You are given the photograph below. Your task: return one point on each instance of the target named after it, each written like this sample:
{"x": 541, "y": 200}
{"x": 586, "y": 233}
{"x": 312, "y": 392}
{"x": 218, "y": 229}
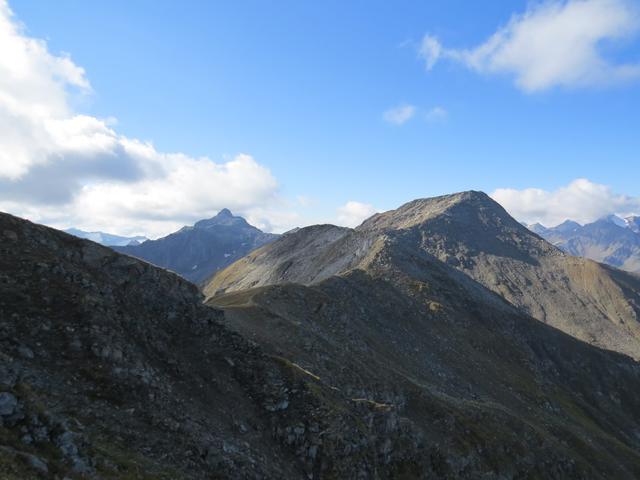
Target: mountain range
{"x": 439, "y": 340}
{"x": 198, "y": 251}
{"x": 107, "y": 239}
{"x": 611, "y": 240}
{"x": 475, "y": 236}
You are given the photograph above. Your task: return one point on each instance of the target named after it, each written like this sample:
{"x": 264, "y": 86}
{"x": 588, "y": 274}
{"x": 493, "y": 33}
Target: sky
{"x": 140, "y": 117}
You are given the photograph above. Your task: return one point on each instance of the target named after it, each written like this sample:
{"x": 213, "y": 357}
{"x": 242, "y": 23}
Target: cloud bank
{"x": 63, "y": 168}
{"x": 552, "y": 44}
{"x": 582, "y": 201}
{"x": 352, "y": 213}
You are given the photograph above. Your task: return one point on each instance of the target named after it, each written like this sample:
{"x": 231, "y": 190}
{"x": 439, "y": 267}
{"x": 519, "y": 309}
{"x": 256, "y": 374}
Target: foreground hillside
{"x": 474, "y": 235}
{"x": 112, "y": 368}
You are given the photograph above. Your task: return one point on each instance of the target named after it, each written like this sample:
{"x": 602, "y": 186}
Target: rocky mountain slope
{"x": 113, "y": 368}
{"x": 473, "y": 234}
{"x": 107, "y": 239}
{"x": 197, "y": 252}
{"x": 402, "y": 368}
{"x": 485, "y": 392}
{"x": 610, "y": 240}
{"x": 492, "y": 392}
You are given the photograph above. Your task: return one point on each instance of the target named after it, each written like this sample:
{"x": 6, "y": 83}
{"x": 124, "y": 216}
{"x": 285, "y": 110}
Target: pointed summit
{"x": 614, "y": 219}
{"x": 197, "y": 252}
{"x": 567, "y": 226}
{"x": 468, "y": 207}
{"x": 224, "y": 217}
{"x": 537, "y": 228}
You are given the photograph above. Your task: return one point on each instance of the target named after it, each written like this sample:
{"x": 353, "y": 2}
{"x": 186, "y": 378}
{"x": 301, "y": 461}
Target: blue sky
{"x": 303, "y": 87}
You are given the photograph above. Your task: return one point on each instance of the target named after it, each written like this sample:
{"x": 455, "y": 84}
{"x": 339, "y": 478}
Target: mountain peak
{"x": 462, "y": 205}
{"x": 471, "y": 195}
{"x": 223, "y": 217}
{"x": 567, "y": 226}
{"x": 614, "y": 219}
{"x": 537, "y": 228}
{"x": 197, "y": 252}
{"x": 467, "y": 197}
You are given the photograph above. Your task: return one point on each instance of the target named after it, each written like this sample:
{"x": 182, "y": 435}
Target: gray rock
{"x": 25, "y": 352}
{"x": 10, "y": 235}
{"x": 36, "y": 463}
{"x": 8, "y": 404}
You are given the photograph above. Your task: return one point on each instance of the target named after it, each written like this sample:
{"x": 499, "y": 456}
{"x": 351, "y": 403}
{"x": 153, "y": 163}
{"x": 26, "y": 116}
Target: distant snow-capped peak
{"x": 616, "y": 220}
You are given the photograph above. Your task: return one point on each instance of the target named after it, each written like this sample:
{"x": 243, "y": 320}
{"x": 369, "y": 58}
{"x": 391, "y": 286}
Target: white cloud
{"x": 400, "y": 114}
{"x": 430, "y": 50}
{"x": 403, "y": 113}
{"x": 352, "y": 214}
{"x": 553, "y": 43}
{"x": 582, "y": 201}
{"x": 63, "y": 168}
{"x": 436, "y": 114}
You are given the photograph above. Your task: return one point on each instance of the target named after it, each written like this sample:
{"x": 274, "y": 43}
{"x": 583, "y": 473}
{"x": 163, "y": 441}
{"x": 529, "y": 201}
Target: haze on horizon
{"x": 140, "y": 118}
